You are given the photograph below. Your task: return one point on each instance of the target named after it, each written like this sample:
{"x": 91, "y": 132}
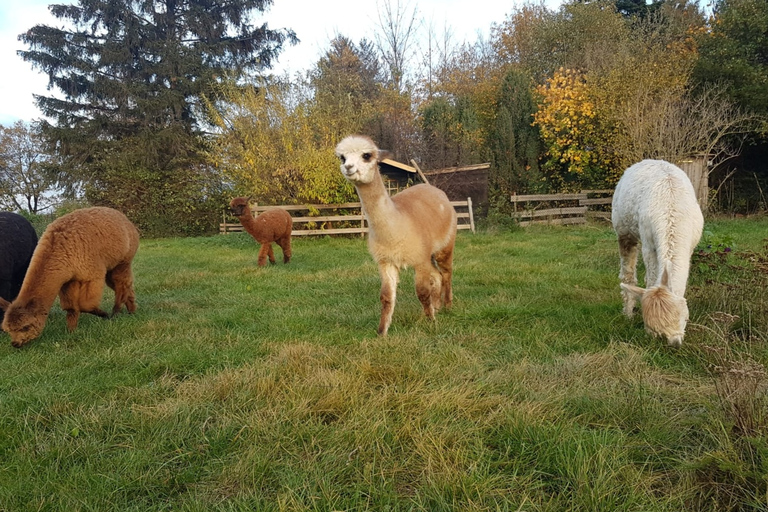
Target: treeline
{"x": 173, "y": 113}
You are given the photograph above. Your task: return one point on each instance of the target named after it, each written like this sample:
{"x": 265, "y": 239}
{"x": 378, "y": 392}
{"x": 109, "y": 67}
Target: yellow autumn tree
{"x": 577, "y": 138}
{"x": 275, "y": 148}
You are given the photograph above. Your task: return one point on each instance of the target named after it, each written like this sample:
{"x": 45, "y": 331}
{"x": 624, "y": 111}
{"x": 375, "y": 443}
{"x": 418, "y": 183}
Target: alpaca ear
{"x": 4, "y": 304}
{"x": 384, "y": 154}
{"x": 634, "y": 290}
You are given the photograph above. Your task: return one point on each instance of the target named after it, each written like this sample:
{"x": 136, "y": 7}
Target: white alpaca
{"x": 654, "y": 204}
{"x": 416, "y": 227}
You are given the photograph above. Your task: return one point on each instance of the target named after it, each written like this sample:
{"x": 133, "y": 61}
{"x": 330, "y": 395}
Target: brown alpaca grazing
{"x": 273, "y": 225}
{"x": 416, "y": 227}
{"x": 76, "y": 255}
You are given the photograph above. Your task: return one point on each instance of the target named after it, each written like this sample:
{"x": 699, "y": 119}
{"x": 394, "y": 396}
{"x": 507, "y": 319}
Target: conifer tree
{"x": 130, "y": 75}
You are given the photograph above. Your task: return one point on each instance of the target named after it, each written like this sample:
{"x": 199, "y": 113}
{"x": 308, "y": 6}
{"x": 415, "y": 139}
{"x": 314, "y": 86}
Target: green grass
{"x": 235, "y": 387}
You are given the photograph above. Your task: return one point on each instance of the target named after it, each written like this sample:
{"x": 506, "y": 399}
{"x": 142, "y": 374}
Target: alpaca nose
{"x": 348, "y": 166}
{"x": 675, "y": 341}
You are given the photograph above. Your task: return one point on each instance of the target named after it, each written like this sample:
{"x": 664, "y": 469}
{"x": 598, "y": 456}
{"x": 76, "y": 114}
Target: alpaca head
{"x": 240, "y": 206}
{"x": 24, "y": 322}
{"x": 664, "y": 313}
{"x": 359, "y": 158}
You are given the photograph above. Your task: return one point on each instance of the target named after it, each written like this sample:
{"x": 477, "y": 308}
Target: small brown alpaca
{"x": 416, "y": 227}
{"x": 76, "y": 255}
{"x": 273, "y": 225}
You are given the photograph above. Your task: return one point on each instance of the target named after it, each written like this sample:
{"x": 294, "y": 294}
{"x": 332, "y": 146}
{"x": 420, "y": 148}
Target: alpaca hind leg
{"x": 120, "y": 279}
{"x": 389, "y": 277}
{"x": 444, "y": 263}
{"x": 628, "y": 251}
{"x": 428, "y": 289}
{"x": 285, "y": 245}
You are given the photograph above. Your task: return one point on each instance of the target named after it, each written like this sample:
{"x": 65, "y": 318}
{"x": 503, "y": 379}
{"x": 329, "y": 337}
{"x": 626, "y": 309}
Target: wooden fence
{"x": 340, "y": 219}
{"x": 562, "y": 208}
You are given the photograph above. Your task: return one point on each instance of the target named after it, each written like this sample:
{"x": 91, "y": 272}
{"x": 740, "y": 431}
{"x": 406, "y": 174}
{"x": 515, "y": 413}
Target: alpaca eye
{"x": 342, "y": 158}
{"x": 366, "y": 156}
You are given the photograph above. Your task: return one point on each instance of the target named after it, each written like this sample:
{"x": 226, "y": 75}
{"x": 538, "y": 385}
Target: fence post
{"x": 471, "y": 215}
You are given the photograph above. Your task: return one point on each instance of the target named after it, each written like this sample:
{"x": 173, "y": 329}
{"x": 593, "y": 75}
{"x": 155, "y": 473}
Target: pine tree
{"x": 131, "y": 75}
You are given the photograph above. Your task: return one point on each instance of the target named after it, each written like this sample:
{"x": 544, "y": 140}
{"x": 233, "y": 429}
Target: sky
{"x": 314, "y": 22}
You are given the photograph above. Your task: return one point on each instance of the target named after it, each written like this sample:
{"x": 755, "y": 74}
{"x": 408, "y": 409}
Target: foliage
{"x": 570, "y": 126}
{"x": 28, "y": 174}
{"x": 131, "y": 75}
{"x": 733, "y": 52}
{"x": 277, "y": 151}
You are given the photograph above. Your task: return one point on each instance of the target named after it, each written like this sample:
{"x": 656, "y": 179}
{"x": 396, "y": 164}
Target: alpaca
{"x": 416, "y": 227}
{"x": 76, "y": 255}
{"x": 17, "y": 243}
{"x": 273, "y": 225}
{"x": 654, "y": 204}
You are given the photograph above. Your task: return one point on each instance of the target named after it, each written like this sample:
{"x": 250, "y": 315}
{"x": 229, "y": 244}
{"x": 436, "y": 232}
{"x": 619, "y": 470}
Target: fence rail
{"x": 562, "y": 209}
{"x": 344, "y": 219}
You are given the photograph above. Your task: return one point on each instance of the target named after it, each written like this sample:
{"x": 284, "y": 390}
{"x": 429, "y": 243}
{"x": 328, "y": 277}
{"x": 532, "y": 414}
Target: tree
{"x": 734, "y": 52}
{"x": 515, "y": 144}
{"x": 395, "y": 39}
{"x": 28, "y": 176}
{"x": 132, "y": 73}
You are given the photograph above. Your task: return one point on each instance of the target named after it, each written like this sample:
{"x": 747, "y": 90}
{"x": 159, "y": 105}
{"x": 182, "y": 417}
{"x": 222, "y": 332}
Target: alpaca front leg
{"x": 628, "y": 270}
{"x": 428, "y": 289}
{"x": 69, "y": 299}
{"x": 264, "y": 251}
{"x": 389, "y": 277}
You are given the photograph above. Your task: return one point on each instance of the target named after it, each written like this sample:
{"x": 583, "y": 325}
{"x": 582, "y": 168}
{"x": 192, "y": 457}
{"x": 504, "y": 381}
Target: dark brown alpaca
{"x": 274, "y": 225}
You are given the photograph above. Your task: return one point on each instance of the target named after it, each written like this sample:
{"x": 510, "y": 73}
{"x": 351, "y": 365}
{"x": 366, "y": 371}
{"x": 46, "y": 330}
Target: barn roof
{"x": 398, "y": 165}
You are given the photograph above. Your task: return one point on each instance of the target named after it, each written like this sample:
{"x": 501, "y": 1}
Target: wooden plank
{"x": 558, "y": 221}
{"x": 547, "y": 197}
{"x": 335, "y": 231}
{"x": 449, "y": 170}
{"x": 596, "y": 200}
{"x": 573, "y": 210}
{"x": 298, "y": 207}
{"x": 418, "y": 169}
{"x": 328, "y": 218}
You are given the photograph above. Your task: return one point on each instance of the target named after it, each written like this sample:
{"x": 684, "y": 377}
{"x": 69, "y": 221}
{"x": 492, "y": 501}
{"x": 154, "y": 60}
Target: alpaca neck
{"x": 250, "y": 224}
{"x": 377, "y": 205}
{"x": 43, "y": 280}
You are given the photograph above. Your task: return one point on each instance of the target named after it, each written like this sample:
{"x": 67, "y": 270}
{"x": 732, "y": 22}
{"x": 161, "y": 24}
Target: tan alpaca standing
{"x": 76, "y": 255}
{"x": 273, "y": 225}
{"x": 416, "y": 227}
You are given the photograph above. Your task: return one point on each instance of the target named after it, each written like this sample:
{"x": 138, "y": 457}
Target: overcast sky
{"x": 315, "y": 23}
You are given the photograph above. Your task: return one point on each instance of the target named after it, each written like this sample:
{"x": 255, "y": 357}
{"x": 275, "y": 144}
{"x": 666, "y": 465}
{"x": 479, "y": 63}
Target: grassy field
{"x": 235, "y": 387}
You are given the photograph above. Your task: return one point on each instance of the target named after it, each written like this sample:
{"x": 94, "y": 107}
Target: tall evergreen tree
{"x": 132, "y": 73}
{"x": 515, "y": 144}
